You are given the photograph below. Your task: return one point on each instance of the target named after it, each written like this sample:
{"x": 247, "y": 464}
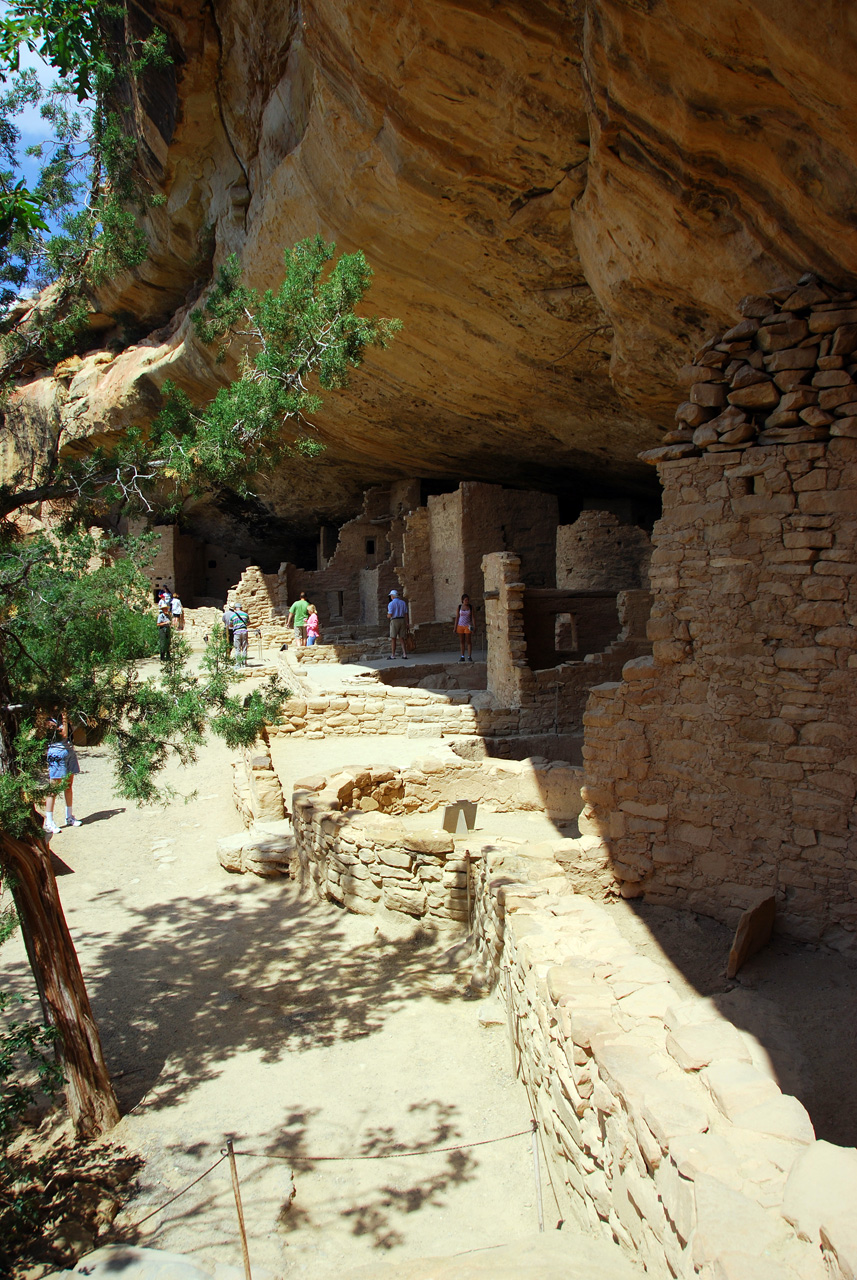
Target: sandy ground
{"x": 230, "y": 1006}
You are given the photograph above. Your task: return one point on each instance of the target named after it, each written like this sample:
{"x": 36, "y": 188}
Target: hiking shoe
{"x": 50, "y": 827}
{"x": 462, "y": 658}
{"x": 72, "y": 821}
{"x": 470, "y": 659}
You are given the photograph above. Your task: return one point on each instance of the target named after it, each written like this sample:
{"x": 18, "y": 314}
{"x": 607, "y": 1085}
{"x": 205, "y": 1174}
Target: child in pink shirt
{"x": 312, "y": 635}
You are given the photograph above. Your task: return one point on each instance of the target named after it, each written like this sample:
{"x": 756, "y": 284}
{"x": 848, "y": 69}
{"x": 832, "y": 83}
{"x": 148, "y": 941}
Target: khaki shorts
{"x": 398, "y": 628}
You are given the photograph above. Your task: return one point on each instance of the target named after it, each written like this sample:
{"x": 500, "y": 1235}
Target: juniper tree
{"x": 72, "y": 620}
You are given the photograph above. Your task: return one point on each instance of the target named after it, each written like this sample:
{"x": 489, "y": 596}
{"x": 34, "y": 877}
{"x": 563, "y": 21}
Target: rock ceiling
{"x": 559, "y": 199}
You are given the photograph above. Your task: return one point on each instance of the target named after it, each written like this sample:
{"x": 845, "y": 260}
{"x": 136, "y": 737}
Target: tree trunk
{"x": 91, "y": 1101}
{"x": 27, "y": 862}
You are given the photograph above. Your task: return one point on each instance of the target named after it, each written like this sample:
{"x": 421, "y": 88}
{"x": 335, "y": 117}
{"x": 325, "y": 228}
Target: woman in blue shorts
{"x": 63, "y": 764}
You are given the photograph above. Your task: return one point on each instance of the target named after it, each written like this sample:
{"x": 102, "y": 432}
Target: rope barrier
{"x": 387, "y": 1155}
{"x": 183, "y": 1191}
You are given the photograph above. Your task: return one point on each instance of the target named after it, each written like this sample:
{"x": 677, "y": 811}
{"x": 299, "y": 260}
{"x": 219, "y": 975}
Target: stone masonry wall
{"x": 727, "y": 762}
{"x": 354, "y": 845}
{"x": 554, "y": 698}
{"x": 599, "y": 551}
{"x": 663, "y": 1123}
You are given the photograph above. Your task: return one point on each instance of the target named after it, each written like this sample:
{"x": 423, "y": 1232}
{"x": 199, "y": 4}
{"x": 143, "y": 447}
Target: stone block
{"x": 695, "y": 1047}
{"x": 229, "y": 851}
{"x": 671, "y": 1111}
{"x": 411, "y": 901}
{"x": 729, "y": 1222}
{"x": 650, "y": 1001}
{"x": 430, "y": 842}
{"x": 737, "y": 1086}
{"x": 821, "y": 1187}
{"x": 754, "y": 932}
{"x": 782, "y": 1117}
{"x": 393, "y": 857}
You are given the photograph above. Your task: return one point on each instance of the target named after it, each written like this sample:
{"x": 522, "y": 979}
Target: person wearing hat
{"x": 165, "y": 624}
{"x": 397, "y": 612}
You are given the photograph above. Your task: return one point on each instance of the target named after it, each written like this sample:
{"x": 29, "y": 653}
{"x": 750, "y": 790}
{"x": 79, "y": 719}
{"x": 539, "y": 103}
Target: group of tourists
{"x": 170, "y": 618}
{"x": 303, "y": 616}
{"x": 304, "y": 619}
{"x": 398, "y": 614}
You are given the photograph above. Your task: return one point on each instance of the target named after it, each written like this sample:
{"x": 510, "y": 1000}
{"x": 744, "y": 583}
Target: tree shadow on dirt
{"x": 195, "y": 981}
{"x": 377, "y": 1211}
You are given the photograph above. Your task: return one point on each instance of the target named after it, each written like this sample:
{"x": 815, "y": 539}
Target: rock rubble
{"x": 785, "y": 374}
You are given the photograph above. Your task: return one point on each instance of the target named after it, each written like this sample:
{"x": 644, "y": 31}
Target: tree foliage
{"x": 79, "y": 223}
{"x": 308, "y": 328}
{"x": 75, "y": 617}
{"x": 75, "y": 621}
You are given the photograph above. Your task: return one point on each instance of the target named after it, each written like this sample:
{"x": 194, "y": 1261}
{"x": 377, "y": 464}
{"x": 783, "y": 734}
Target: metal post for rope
{"x": 510, "y": 1020}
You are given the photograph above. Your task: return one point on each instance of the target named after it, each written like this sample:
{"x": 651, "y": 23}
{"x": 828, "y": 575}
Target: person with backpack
{"x": 63, "y": 764}
{"x": 240, "y": 623}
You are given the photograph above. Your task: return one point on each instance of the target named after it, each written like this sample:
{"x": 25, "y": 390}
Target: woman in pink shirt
{"x": 312, "y": 635}
{"x": 464, "y": 627}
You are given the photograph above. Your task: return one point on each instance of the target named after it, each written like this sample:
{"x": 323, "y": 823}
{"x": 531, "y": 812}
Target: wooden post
{"x": 510, "y": 1018}
{"x": 538, "y": 1175}
{"x": 467, "y": 874}
{"x": 237, "y": 1192}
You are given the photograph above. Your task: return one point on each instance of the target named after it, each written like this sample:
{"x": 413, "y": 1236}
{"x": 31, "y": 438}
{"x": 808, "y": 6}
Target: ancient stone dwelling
{"x": 622, "y": 414}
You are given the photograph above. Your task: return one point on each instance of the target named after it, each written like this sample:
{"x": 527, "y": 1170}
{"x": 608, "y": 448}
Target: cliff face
{"x": 560, "y": 199}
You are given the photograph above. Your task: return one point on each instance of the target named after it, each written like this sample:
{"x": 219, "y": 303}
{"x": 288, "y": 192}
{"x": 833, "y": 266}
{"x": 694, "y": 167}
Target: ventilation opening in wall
{"x": 370, "y": 546}
{"x": 212, "y": 564}
{"x": 565, "y": 633}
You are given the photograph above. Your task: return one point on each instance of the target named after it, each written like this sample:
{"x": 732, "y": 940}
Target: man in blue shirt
{"x": 397, "y": 612}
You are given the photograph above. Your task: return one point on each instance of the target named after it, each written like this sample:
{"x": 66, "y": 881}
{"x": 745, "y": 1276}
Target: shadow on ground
{"x": 196, "y": 981}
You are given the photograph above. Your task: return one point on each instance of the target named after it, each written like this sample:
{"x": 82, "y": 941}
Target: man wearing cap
{"x": 397, "y": 612}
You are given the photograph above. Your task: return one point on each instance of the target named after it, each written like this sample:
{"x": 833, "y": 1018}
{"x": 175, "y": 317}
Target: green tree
{"x": 72, "y": 626}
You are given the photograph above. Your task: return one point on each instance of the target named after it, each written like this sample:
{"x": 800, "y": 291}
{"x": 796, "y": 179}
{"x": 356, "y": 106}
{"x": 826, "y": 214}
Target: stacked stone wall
{"x": 416, "y": 566}
{"x": 663, "y": 1123}
{"x": 599, "y": 551}
{"x": 553, "y": 698}
{"x": 727, "y": 762}
{"x": 350, "y": 847}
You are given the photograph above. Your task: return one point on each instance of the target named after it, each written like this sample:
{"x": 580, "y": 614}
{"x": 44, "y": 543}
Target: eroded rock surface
{"x": 559, "y": 199}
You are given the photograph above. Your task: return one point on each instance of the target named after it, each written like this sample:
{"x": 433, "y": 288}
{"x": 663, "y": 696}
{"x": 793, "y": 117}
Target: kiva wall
{"x": 727, "y": 762}
{"x": 599, "y": 551}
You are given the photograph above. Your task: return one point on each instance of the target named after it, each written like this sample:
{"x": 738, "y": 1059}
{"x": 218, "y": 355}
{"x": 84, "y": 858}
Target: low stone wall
{"x": 256, "y": 790}
{"x": 350, "y": 846}
{"x": 415, "y": 713}
{"x": 665, "y": 1128}
{"x": 366, "y": 860}
{"x": 663, "y": 1123}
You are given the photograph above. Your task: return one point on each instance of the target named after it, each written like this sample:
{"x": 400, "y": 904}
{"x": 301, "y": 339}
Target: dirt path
{"x": 231, "y": 1006}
